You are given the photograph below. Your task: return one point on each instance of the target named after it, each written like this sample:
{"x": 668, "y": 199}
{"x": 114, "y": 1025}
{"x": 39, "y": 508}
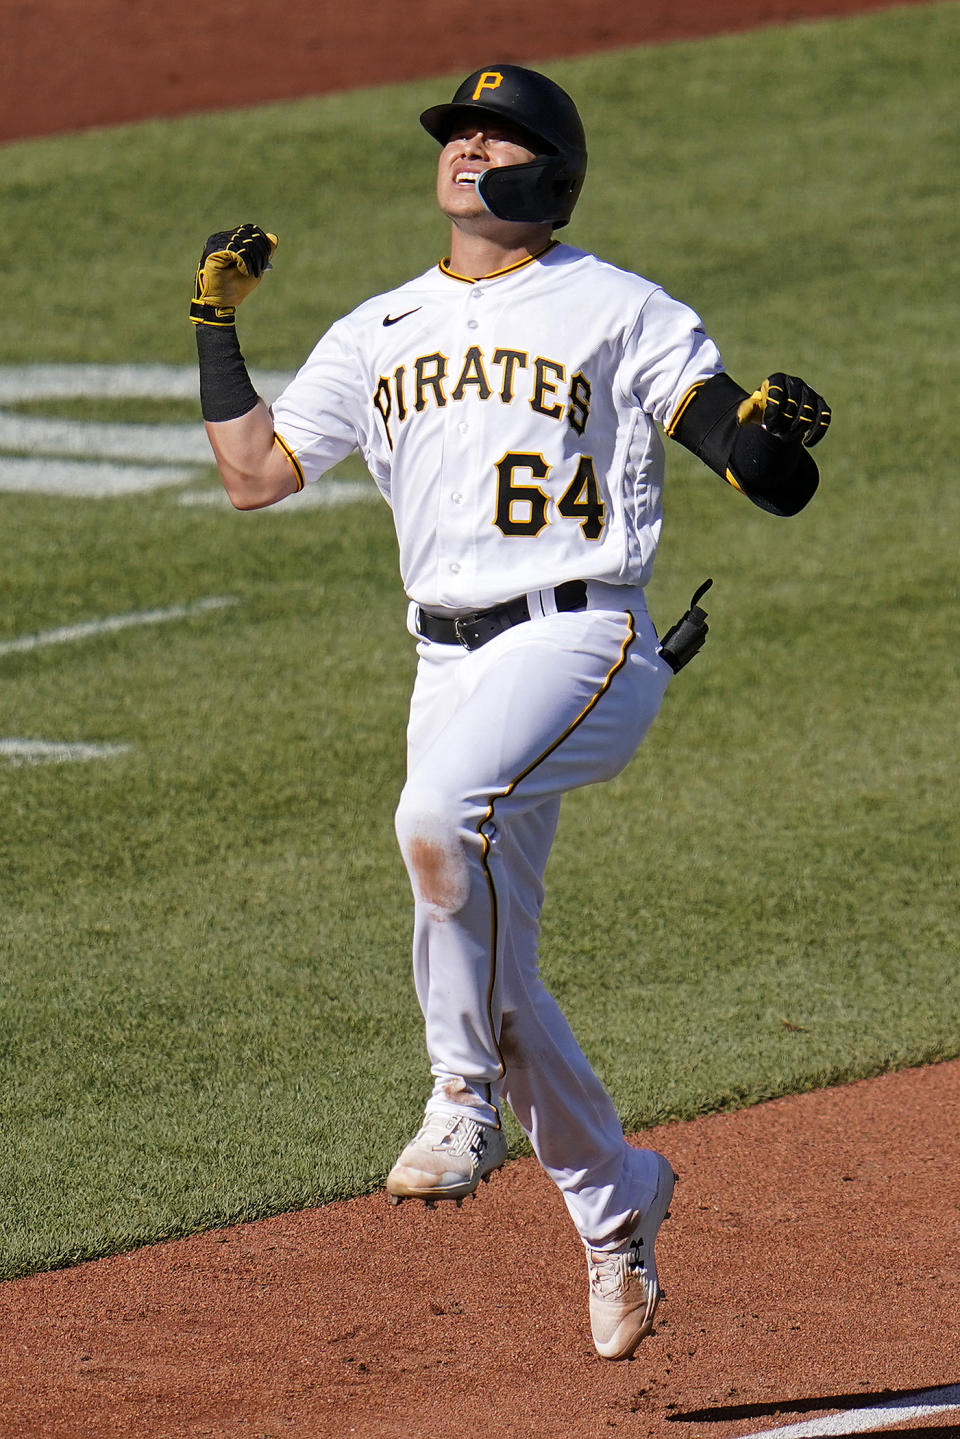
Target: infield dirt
{"x": 811, "y": 1264}
{"x": 73, "y": 64}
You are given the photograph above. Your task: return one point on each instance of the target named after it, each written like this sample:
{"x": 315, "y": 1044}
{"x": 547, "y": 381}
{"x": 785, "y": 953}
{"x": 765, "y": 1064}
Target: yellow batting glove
{"x": 231, "y": 265}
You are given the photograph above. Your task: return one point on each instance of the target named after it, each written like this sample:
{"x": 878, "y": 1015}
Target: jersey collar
{"x": 495, "y": 274}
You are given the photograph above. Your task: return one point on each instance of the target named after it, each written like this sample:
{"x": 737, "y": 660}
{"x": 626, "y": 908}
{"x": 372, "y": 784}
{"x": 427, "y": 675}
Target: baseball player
{"x": 509, "y": 404}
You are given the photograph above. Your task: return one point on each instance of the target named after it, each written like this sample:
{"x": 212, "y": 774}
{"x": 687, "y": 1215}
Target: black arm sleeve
{"x": 226, "y": 390}
{"x": 776, "y": 476}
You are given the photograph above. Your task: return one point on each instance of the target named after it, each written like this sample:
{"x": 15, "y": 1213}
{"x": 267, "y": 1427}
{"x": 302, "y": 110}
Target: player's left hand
{"x": 231, "y": 265}
{"x": 787, "y": 408}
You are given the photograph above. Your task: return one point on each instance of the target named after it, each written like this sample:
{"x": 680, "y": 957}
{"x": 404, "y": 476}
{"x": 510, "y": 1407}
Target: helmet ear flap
{"x": 543, "y": 189}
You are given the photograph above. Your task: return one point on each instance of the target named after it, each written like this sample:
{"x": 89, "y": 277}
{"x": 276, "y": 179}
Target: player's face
{"x": 471, "y": 149}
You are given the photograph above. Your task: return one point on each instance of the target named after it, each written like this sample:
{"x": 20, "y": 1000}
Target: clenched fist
{"x": 787, "y": 408}
{"x": 230, "y": 267}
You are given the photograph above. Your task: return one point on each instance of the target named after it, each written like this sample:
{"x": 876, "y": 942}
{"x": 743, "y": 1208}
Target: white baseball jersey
{"x": 513, "y": 425}
{"x": 510, "y": 422}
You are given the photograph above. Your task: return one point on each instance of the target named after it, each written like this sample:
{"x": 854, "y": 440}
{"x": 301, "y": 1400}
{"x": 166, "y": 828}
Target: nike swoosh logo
{"x": 395, "y": 319}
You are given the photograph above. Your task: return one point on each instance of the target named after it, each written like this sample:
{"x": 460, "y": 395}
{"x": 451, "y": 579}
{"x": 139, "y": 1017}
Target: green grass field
{"x": 206, "y": 1011}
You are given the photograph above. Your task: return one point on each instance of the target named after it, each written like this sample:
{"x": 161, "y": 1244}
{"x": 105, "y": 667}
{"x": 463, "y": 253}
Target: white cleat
{"x": 446, "y": 1159}
{"x": 624, "y": 1293}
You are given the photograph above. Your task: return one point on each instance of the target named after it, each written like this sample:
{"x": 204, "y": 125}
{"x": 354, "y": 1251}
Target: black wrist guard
{"x": 202, "y": 314}
{"x": 226, "y": 390}
{"x": 776, "y": 475}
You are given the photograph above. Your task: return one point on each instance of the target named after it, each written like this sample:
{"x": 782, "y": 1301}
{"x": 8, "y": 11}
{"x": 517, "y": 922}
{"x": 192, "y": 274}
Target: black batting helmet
{"x": 546, "y": 188}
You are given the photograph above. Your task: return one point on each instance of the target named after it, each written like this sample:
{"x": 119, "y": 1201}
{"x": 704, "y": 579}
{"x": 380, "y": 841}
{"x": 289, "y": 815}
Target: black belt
{"x": 475, "y": 629}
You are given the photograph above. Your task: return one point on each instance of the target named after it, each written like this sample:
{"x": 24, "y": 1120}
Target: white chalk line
{"x": 42, "y": 751}
{"x": 39, "y": 435}
{"x": 67, "y": 634}
{"x": 34, "y": 751}
{"x": 90, "y": 460}
{"x": 923, "y": 1405}
{"x": 64, "y": 381}
{"x": 324, "y": 495}
{"x": 87, "y": 479}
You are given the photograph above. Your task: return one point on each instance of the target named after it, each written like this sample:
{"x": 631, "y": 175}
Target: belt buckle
{"x": 465, "y": 629}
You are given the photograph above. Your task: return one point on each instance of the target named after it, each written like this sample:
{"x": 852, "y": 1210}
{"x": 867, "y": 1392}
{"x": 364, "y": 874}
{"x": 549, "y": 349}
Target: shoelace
{"x": 440, "y": 1132}
{"x": 611, "y": 1273}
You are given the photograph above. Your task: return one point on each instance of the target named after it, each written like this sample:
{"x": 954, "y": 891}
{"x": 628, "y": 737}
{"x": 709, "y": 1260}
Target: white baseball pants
{"x": 496, "y": 737}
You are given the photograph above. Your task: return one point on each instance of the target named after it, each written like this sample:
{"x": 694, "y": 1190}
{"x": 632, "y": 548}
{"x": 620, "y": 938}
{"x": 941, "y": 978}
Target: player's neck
{"x": 474, "y": 253}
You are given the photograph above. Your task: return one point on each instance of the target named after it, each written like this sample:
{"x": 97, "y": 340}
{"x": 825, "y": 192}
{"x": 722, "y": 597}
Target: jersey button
{"x": 463, "y": 427}
{"x": 457, "y": 497}
{"x": 473, "y": 324}
{"x": 454, "y": 568}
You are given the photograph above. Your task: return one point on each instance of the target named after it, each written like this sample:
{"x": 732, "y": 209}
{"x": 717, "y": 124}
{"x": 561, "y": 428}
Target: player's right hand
{"x": 231, "y": 265}
{"x": 787, "y": 408}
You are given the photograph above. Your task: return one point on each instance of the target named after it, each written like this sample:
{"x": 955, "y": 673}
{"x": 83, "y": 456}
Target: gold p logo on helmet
{"x": 489, "y": 80}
